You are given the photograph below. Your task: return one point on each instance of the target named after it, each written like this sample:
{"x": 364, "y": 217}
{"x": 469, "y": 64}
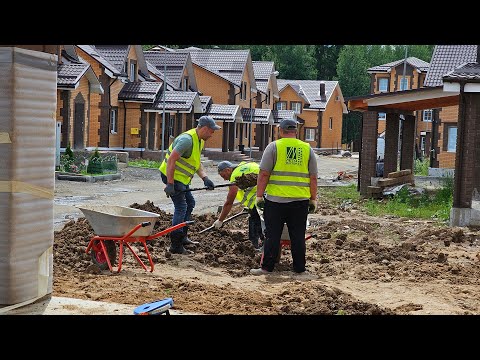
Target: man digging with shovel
{"x": 245, "y": 192}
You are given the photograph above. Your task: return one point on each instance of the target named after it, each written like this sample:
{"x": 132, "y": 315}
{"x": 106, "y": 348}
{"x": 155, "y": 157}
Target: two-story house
{"x": 402, "y": 75}
{"x": 319, "y": 107}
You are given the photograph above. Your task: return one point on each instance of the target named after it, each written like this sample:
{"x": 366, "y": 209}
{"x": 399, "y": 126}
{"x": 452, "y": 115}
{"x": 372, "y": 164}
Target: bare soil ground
{"x": 356, "y": 264}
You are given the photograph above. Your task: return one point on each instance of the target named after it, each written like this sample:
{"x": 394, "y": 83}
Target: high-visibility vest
{"x": 289, "y": 177}
{"x": 247, "y": 196}
{"x": 185, "y": 168}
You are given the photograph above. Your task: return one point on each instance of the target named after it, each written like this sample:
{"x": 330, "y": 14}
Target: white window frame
{"x": 427, "y": 115}
{"x": 380, "y": 81}
{"x": 382, "y": 116}
{"x": 330, "y": 123}
{"x": 281, "y": 105}
{"x": 171, "y": 126}
{"x": 113, "y": 121}
{"x": 310, "y": 134}
{"x": 296, "y": 104}
{"x": 451, "y": 139}
{"x": 404, "y": 80}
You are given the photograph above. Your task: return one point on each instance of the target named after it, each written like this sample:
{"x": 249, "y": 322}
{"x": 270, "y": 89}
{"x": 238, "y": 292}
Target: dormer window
{"x": 383, "y": 85}
{"x": 133, "y": 71}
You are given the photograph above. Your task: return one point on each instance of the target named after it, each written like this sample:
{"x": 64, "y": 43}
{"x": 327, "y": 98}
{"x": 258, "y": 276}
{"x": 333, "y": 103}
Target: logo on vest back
{"x": 294, "y": 156}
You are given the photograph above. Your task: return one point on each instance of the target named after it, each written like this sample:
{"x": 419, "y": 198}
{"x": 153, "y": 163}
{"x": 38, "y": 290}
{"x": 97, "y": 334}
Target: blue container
{"x": 154, "y": 308}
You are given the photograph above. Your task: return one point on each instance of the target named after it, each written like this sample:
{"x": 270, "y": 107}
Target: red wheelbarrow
{"x": 124, "y": 225}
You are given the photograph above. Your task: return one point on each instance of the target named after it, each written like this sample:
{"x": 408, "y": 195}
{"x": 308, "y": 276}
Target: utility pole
{"x": 164, "y": 99}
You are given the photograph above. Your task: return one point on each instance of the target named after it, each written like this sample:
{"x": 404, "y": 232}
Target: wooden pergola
{"x": 452, "y": 93}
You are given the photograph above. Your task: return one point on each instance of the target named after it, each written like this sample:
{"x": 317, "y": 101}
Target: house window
{"x": 114, "y": 120}
{"x": 243, "y": 91}
{"x": 245, "y": 130}
{"x": 133, "y": 70}
{"x": 268, "y": 98}
{"x": 185, "y": 84}
{"x": 330, "y": 123}
{"x": 296, "y": 106}
{"x": 171, "y": 126}
{"x": 281, "y": 105}
{"x": 427, "y": 115}
{"x": 451, "y": 138}
{"x": 383, "y": 85}
{"x": 310, "y": 134}
{"x": 382, "y": 116}
{"x": 403, "y": 83}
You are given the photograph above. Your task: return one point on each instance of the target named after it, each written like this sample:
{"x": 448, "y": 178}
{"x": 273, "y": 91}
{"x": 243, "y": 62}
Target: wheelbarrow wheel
{"x": 98, "y": 256}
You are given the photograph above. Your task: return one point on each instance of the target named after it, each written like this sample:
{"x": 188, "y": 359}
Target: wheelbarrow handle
{"x": 170, "y": 229}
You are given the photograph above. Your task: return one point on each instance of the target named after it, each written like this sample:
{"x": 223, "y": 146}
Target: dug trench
{"x": 356, "y": 264}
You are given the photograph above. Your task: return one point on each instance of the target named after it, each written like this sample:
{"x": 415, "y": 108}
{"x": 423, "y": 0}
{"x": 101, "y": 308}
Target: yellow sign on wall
{"x": 134, "y": 131}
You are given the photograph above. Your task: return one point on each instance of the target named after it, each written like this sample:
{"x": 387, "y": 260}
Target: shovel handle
{"x": 205, "y": 188}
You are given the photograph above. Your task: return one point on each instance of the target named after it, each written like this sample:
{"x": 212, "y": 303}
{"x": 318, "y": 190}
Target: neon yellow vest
{"x": 290, "y": 177}
{"x": 185, "y": 168}
{"x": 247, "y": 196}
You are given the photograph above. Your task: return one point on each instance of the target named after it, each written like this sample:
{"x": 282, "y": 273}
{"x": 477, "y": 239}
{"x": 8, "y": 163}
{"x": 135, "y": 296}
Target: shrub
{"x": 69, "y": 152}
{"x": 95, "y": 163}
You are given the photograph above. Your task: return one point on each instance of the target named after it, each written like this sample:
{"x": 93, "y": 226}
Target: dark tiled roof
{"x": 154, "y": 70}
{"x": 263, "y": 116}
{"x": 176, "y": 101}
{"x": 115, "y": 54}
{"x": 226, "y": 113}
{"x": 140, "y": 91}
{"x": 228, "y": 64}
{"x": 206, "y": 101}
{"x": 412, "y": 61}
{"x": 469, "y": 72}
{"x": 69, "y": 74}
{"x": 446, "y": 58}
{"x": 90, "y": 49}
{"x": 175, "y": 63}
{"x": 310, "y": 90}
{"x": 279, "y": 115}
{"x": 262, "y": 71}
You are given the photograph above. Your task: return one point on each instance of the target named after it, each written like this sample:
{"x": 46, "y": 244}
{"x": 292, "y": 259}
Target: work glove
{"x": 218, "y": 224}
{"x": 169, "y": 190}
{"x": 208, "y": 183}
{"x": 260, "y": 202}
{"x": 312, "y": 206}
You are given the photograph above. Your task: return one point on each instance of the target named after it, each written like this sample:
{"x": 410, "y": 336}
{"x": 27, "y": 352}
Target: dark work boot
{"x": 186, "y": 240}
{"x": 176, "y": 246}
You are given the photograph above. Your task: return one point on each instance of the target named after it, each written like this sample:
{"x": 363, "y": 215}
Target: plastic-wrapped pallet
{"x": 28, "y": 90}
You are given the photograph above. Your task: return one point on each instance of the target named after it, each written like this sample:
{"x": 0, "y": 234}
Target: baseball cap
{"x": 208, "y": 121}
{"x": 222, "y": 165}
{"x": 288, "y": 124}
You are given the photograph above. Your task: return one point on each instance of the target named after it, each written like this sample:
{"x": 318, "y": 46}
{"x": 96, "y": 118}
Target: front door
{"x": 151, "y": 131}
{"x": 79, "y": 122}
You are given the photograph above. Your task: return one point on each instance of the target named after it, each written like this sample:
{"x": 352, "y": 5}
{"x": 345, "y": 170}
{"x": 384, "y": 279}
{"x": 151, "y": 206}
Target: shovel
{"x": 205, "y": 188}
{"x": 243, "y": 212}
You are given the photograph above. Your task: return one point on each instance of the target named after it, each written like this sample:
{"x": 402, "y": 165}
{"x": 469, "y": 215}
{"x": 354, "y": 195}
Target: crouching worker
{"x": 231, "y": 173}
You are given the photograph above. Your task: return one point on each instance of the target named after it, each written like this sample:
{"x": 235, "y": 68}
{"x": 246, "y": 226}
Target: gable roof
{"x": 228, "y": 64}
{"x": 279, "y": 115}
{"x": 176, "y": 63}
{"x": 141, "y": 91}
{"x": 159, "y": 75}
{"x": 259, "y": 116}
{"x": 115, "y": 54}
{"x": 420, "y": 65}
{"x": 263, "y": 72}
{"x": 469, "y": 72}
{"x": 227, "y": 113}
{"x": 310, "y": 91}
{"x": 182, "y": 101}
{"x": 90, "y": 50}
{"x": 72, "y": 69}
{"x": 446, "y": 58}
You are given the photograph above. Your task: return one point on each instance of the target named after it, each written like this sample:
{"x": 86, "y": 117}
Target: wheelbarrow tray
{"x": 117, "y": 221}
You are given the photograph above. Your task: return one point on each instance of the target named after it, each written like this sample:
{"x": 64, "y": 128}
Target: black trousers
{"x": 294, "y": 214}
{"x": 254, "y": 227}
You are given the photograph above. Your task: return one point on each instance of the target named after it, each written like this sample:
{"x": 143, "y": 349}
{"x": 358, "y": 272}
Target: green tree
{"x": 326, "y": 57}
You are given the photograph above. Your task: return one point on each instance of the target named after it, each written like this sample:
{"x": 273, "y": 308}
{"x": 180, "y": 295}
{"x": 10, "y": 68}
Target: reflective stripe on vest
{"x": 185, "y": 168}
{"x": 247, "y": 196}
{"x": 289, "y": 177}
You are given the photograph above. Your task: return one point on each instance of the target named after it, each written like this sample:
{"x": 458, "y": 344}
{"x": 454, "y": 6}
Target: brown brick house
{"x": 319, "y": 107}
{"x": 76, "y": 85}
{"x": 390, "y": 78}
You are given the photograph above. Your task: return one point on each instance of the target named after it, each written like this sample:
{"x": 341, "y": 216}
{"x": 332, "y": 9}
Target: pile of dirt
{"x": 246, "y": 180}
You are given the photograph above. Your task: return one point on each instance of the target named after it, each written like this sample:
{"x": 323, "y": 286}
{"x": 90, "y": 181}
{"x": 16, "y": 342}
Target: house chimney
{"x": 323, "y": 97}
{"x": 478, "y": 54}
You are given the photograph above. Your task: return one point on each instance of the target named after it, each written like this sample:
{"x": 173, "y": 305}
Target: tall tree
{"x": 326, "y": 57}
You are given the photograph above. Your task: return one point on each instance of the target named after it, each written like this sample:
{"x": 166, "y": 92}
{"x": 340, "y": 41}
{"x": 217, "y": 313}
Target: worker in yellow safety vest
{"x": 182, "y": 161}
{"x": 286, "y": 192}
{"x": 230, "y": 172}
